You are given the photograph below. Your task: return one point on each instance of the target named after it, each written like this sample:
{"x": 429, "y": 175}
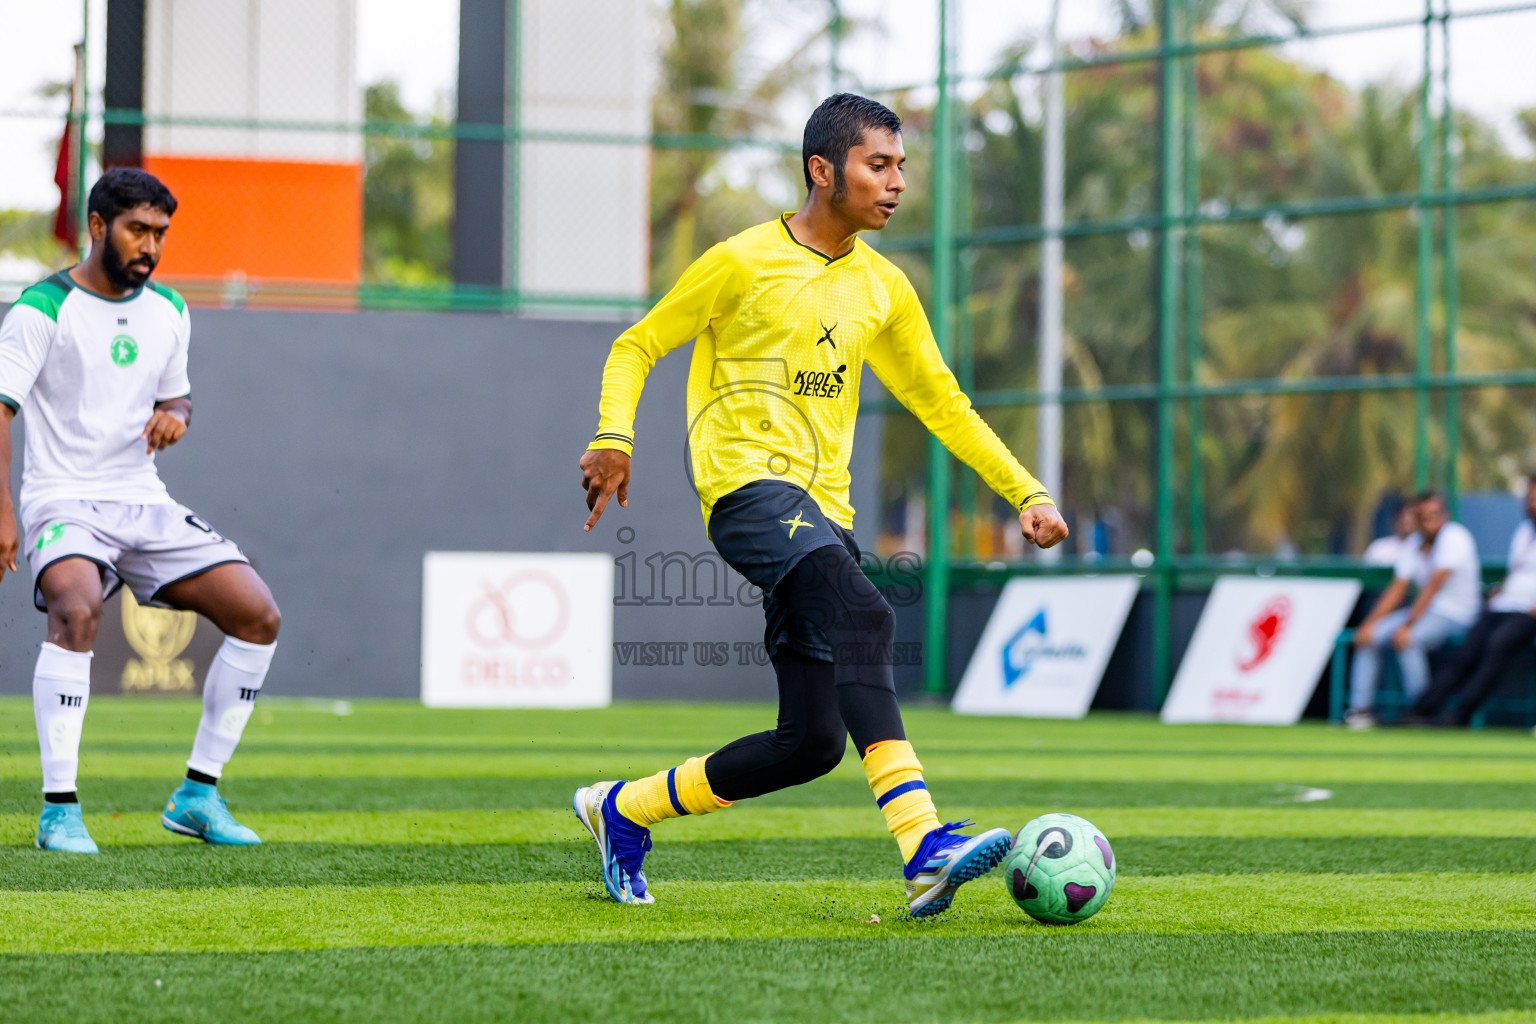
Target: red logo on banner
{"x": 1234, "y": 701}
{"x": 1264, "y": 633}
{"x": 528, "y": 610}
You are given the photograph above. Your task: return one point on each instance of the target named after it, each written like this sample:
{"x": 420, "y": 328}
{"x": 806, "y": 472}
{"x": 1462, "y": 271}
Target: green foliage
{"x": 1287, "y": 299}
{"x": 407, "y": 197}
{"x": 29, "y": 234}
{"x": 710, "y": 86}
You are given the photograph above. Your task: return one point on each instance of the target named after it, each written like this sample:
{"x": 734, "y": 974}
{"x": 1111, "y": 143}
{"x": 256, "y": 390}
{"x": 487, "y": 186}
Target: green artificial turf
{"x": 185, "y": 865}
{"x": 424, "y": 865}
{"x": 1374, "y": 977}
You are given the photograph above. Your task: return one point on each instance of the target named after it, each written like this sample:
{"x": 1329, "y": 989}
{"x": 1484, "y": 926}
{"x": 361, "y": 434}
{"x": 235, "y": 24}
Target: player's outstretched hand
{"x": 8, "y": 539}
{"x": 1043, "y": 526}
{"x": 604, "y": 473}
{"x": 163, "y": 430}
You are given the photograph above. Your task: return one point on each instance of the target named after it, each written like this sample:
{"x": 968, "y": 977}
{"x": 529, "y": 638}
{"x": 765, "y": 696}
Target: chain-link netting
{"x": 1282, "y": 275}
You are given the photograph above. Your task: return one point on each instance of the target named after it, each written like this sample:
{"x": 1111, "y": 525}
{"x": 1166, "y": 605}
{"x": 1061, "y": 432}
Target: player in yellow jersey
{"x": 783, "y": 318}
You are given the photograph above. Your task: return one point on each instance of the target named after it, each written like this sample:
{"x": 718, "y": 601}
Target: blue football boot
{"x": 946, "y": 860}
{"x": 62, "y": 827}
{"x": 196, "y": 809}
{"x": 620, "y": 842}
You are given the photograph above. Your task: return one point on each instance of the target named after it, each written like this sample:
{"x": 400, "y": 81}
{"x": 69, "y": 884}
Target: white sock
{"x": 229, "y": 694}
{"x": 61, "y": 688}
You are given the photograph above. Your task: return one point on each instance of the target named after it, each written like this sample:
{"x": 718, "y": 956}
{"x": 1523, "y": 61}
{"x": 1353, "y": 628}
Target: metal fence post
{"x": 936, "y": 570}
{"x": 512, "y": 127}
{"x": 1048, "y": 359}
{"x": 1423, "y": 283}
{"x": 965, "y": 342}
{"x": 1167, "y": 341}
{"x": 1193, "y": 269}
{"x": 1451, "y": 283}
{"x": 835, "y": 45}
{"x": 82, "y": 135}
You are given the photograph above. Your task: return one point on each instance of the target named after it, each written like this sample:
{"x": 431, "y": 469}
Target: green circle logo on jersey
{"x": 124, "y": 350}
{"x": 51, "y": 533}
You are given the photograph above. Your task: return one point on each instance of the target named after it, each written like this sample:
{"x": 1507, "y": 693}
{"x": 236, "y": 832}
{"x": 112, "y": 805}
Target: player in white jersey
{"x": 96, "y": 359}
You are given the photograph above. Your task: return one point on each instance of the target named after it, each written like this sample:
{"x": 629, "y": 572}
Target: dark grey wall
{"x": 337, "y": 448}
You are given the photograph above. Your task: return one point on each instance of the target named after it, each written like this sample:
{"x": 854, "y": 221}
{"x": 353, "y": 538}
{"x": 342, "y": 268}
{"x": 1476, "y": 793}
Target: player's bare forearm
{"x": 604, "y": 473}
{"x": 9, "y": 540}
{"x": 167, "y": 424}
{"x": 1043, "y": 526}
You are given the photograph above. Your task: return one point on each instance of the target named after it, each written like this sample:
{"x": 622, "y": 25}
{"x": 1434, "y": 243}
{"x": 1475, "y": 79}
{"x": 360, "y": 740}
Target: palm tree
{"x": 1327, "y": 296}
{"x": 710, "y": 86}
{"x": 1339, "y": 300}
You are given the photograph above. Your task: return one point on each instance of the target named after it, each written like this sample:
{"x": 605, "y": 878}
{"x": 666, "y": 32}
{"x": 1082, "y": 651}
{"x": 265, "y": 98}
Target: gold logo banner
{"x": 158, "y": 636}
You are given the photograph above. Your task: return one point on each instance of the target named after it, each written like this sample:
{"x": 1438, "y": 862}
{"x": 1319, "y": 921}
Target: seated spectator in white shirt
{"x": 1509, "y": 625}
{"x": 1441, "y": 560}
{"x": 1385, "y": 550}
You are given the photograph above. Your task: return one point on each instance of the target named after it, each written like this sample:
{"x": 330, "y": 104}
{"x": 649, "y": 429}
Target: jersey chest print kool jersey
{"x": 782, "y": 335}
{"x": 775, "y": 397}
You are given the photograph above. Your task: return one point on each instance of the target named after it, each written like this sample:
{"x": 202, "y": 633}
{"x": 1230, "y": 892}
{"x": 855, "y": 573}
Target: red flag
{"x": 65, "y": 227}
{"x": 66, "y": 173}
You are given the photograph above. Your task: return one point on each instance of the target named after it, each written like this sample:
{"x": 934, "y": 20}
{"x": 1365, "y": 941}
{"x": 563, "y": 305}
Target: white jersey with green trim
{"x": 86, "y": 372}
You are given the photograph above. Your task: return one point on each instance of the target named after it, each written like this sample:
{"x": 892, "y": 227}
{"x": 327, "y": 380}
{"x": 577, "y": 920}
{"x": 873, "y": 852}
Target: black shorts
{"x": 762, "y": 530}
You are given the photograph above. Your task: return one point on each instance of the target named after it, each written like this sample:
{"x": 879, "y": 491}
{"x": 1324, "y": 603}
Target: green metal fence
{"x": 1178, "y": 312}
{"x": 1178, "y": 395}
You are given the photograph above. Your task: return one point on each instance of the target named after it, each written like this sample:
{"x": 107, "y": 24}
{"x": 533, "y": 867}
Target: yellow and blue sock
{"x": 896, "y": 778}
{"x": 669, "y": 794}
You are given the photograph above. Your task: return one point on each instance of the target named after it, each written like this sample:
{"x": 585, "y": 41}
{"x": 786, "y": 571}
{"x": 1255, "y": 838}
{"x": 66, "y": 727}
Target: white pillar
{"x": 1048, "y": 463}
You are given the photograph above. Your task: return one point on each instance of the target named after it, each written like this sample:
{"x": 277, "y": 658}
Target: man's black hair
{"x": 836, "y": 127}
{"x": 1430, "y": 495}
{"x": 123, "y": 188}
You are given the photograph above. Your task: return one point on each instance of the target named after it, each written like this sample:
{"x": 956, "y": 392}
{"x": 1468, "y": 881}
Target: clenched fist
{"x": 1043, "y": 526}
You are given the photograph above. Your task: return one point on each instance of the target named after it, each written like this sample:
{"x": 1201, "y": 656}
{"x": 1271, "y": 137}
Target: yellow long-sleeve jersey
{"x": 773, "y": 391}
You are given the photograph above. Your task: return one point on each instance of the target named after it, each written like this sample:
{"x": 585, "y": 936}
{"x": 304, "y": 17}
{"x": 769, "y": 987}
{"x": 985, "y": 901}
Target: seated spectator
{"x": 1385, "y": 550}
{"x": 1509, "y": 625}
{"x": 1441, "y": 560}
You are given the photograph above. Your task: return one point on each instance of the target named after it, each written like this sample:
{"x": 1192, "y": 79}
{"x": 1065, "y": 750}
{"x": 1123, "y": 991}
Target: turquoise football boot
{"x": 62, "y": 827}
{"x": 196, "y": 809}
{"x": 946, "y": 860}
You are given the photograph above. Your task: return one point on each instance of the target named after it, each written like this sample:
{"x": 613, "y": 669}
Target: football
{"x": 1061, "y": 869}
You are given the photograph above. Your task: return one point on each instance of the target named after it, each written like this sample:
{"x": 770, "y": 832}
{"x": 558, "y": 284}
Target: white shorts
{"x": 148, "y": 547}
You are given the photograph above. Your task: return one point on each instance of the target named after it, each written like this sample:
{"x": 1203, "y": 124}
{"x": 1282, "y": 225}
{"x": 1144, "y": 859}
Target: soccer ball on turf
{"x": 1060, "y": 870}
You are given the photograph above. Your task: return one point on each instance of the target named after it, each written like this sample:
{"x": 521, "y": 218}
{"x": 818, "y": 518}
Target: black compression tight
{"x": 821, "y": 703}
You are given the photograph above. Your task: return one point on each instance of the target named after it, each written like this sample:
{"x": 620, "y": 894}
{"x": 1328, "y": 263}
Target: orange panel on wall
{"x": 275, "y": 219}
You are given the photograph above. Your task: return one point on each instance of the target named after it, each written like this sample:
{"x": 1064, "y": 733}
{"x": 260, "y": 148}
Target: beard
{"x": 123, "y": 276}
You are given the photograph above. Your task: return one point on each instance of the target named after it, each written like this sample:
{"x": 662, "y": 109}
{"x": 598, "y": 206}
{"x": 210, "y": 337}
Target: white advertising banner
{"x": 504, "y": 630}
{"x": 1258, "y": 649}
{"x": 1045, "y": 646}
